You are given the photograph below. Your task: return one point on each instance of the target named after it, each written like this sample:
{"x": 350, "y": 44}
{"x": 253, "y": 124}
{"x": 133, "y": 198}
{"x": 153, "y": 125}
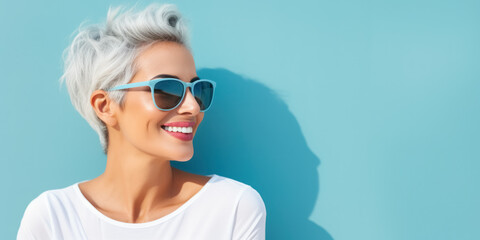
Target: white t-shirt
{"x": 223, "y": 209}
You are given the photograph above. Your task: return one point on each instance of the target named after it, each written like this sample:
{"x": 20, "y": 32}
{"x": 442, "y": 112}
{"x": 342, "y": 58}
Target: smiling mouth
{"x": 177, "y": 129}
{"x": 182, "y": 133}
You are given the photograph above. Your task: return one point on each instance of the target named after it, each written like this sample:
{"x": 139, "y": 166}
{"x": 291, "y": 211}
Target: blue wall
{"x": 353, "y": 119}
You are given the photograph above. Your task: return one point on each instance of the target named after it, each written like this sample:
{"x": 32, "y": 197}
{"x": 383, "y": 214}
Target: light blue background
{"x": 353, "y": 119}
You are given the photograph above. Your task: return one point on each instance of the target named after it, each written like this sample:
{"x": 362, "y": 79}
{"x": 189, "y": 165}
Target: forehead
{"x": 165, "y": 58}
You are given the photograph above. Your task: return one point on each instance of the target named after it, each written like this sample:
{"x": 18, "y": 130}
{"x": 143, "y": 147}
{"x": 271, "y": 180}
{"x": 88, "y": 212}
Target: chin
{"x": 181, "y": 154}
{"x": 183, "y": 157}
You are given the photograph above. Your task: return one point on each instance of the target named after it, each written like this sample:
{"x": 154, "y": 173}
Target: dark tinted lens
{"x": 203, "y": 92}
{"x": 168, "y": 93}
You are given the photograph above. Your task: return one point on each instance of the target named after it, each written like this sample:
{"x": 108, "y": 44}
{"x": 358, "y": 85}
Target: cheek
{"x": 199, "y": 118}
{"x": 145, "y": 104}
{"x": 140, "y": 112}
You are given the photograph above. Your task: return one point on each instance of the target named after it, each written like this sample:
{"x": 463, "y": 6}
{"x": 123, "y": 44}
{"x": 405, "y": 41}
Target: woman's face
{"x": 140, "y": 121}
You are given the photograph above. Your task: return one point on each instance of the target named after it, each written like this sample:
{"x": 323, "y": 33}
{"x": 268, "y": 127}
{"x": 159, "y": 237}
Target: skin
{"x": 138, "y": 184}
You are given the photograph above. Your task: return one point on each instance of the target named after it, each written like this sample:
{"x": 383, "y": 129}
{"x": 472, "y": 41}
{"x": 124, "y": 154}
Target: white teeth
{"x": 179, "y": 129}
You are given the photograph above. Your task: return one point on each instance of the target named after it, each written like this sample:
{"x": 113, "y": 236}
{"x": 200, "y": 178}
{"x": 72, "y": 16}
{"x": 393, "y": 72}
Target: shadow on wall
{"x": 250, "y": 135}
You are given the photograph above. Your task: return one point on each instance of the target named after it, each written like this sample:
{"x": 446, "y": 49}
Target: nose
{"x": 189, "y": 104}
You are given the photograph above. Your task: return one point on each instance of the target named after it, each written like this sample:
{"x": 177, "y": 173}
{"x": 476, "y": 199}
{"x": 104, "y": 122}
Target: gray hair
{"x": 103, "y": 55}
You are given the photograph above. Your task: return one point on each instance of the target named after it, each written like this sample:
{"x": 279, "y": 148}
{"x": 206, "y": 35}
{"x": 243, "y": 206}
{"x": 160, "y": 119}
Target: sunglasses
{"x": 168, "y": 93}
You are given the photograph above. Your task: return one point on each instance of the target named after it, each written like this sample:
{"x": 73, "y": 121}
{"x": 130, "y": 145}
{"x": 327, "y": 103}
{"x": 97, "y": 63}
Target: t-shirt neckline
{"x": 99, "y": 214}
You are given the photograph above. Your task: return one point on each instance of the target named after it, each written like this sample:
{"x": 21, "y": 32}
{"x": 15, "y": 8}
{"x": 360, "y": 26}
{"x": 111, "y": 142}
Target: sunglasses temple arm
{"x": 130, "y": 85}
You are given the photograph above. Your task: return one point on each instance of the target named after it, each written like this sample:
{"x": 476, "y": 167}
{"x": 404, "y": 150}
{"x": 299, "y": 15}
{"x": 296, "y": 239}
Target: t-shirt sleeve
{"x": 35, "y": 221}
{"x": 250, "y": 216}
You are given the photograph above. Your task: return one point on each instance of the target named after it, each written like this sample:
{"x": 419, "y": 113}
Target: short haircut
{"x": 103, "y": 55}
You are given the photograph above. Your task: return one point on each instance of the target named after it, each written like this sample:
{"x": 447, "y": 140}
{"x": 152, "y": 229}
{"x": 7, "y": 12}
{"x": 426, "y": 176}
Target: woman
{"x": 134, "y": 80}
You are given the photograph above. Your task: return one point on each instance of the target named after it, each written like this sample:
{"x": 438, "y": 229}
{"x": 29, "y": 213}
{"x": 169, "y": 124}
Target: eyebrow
{"x": 173, "y": 76}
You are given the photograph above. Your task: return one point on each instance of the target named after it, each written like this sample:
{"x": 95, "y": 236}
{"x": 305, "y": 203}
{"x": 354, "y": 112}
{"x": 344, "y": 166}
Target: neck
{"x": 137, "y": 183}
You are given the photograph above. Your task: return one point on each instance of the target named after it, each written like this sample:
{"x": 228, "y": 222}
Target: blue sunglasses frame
{"x": 152, "y": 83}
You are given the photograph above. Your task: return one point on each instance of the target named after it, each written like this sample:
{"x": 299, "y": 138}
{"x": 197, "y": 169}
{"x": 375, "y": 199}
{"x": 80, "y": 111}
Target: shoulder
{"x": 246, "y": 197}
{"x": 251, "y": 200}
{"x": 35, "y": 222}
{"x": 55, "y": 197}
{"x": 228, "y": 183}
{"x": 250, "y": 212}
{"x": 39, "y": 213}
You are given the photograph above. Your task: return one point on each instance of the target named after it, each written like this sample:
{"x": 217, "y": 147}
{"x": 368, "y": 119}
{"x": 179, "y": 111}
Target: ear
{"x": 104, "y": 107}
